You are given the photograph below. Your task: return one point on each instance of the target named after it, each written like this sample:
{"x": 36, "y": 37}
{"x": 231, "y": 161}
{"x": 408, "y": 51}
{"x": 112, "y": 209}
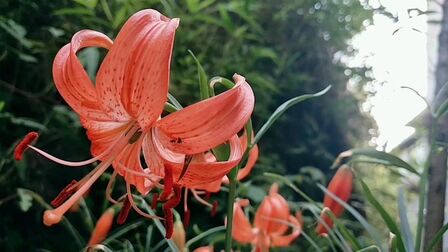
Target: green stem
{"x": 231, "y": 199}
{"x": 423, "y": 187}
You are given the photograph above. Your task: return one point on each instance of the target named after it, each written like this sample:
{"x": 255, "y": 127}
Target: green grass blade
{"x": 404, "y": 222}
{"x": 148, "y": 239}
{"x": 282, "y": 109}
{"x": 390, "y": 223}
{"x": 204, "y": 234}
{"x": 203, "y": 79}
{"x": 122, "y": 231}
{"x": 379, "y": 155}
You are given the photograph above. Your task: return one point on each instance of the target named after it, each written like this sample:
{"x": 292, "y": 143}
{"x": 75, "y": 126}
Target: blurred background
{"x": 367, "y": 51}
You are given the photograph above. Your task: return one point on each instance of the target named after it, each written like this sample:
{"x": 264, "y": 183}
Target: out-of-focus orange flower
{"x": 272, "y": 221}
{"x": 204, "y": 249}
{"x": 102, "y": 227}
{"x": 341, "y": 186}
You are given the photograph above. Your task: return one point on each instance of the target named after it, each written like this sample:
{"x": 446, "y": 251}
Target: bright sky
{"x": 398, "y": 58}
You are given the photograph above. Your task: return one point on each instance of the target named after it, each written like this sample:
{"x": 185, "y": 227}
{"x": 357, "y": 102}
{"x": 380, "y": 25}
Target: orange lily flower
{"x": 102, "y": 227}
{"x": 341, "y": 186}
{"x": 204, "y": 249}
{"x": 122, "y": 116}
{"x": 272, "y": 221}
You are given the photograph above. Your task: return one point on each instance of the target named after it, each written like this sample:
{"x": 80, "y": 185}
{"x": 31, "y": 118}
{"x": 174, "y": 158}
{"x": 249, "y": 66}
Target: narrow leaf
{"x": 203, "y": 80}
{"x": 379, "y": 155}
{"x": 390, "y": 223}
{"x": 282, "y": 109}
{"x": 404, "y": 222}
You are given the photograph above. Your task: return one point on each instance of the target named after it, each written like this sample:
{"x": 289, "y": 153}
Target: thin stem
{"x": 424, "y": 187}
{"x": 230, "y": 200}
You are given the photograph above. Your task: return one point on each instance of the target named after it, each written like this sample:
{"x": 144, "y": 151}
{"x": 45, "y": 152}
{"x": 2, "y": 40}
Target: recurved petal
{"x": 103, "y": 134}
{"x": 208, "y": 123}
{"x": 71, "y": 79}
{"x": 202, "y": 170}
{"x": 272, "y": 213}
{"x": 133, "y": 78}
{"x": 242, "y": 231}
{"x": 285, "y": 240}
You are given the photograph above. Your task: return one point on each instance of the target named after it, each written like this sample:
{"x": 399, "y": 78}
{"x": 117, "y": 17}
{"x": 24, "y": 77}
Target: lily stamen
{"x": 55, "y": 215}
{"x": 110, "y": 188}
{"x": 130, "y": 197}
{"x": 198, "y": 198}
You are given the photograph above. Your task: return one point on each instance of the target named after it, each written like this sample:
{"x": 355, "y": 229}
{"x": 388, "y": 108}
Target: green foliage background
{"x": 284, "y": 49}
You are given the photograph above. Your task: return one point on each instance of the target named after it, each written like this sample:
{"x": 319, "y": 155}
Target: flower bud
{"x": 341, "y": 186}
{"x": 102, "y": 227}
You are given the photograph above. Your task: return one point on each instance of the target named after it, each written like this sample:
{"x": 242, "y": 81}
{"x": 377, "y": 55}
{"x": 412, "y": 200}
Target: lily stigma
{"x": 122, "y": 115}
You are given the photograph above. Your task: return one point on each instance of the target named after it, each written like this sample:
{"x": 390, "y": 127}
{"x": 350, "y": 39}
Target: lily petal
{"x": 102, "y": 134}
{"x": 285, "y": 240}
{"x": 273, "y": 210}
{"x": 242, "y": 231}
{"x": 71, "y": 79}
{"x": 133, "y": 78}
{"x": 201, "y": 171}
{"x": 209, "y": 123}
{"x": 128, "y": 165}
{"x": 152, "y": 158}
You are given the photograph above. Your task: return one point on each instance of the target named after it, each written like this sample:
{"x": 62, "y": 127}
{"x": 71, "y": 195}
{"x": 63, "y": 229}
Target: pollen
{"x": 24, "y": 144}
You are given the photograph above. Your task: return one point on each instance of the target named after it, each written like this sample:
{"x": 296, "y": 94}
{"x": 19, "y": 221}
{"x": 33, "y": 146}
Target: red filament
{"x": 155, "y": 201}
{"x": 168, "y": 183}
{"x": 168, "y": 222}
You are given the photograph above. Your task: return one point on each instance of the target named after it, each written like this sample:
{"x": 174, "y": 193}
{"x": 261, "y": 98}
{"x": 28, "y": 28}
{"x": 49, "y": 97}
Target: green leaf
{"x": 90, "y": 59}
{"x": 390, "y": 223}
{"x": 17, "y": 31}
{"x": 174, "y": 101}
{"x": 348, "y": 236}
{"x": 438, "y": 237}
{"x": 282, "y": 109}
{"x": 127, "y": 246}
{"x": 123, "y": 230}
{"x": 2, "y": 105}
{"x": 91, "y": 4}
{"x": 28, "y": 123}
{"x": 379, "y": 155}
{"x": 443, "y": 108}
{"x": 202, "y": 235}
{"x": 393, "y": 242}
{"x": 203, "y": 79}
{"x": 369, "y": 249}
{"x": 255, "y": 193}
{"x": 404, "y": 222}
{"x": 148, "y": 238}
{"x": 74, "y": 11}
{"x": 26, "y": 201}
